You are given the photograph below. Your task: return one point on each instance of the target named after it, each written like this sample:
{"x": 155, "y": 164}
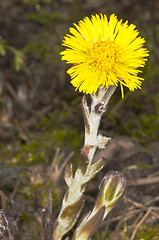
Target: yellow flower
{"x": 104, "y": 53}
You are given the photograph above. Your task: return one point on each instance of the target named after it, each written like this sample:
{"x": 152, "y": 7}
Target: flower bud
{"x": 111, "y": 190}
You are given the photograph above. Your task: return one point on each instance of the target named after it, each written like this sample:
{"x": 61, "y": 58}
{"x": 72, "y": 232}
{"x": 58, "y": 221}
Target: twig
{"x": 65, "y": 162}
{"x": 155, "y": 214}
{"x": 47, "y": 221}
{"x": 137, "y": 219}
{"x": 131, "y": 214}
{"x": 135, "y": 203}
{"x": 55, "y": 169}
{"x": 154, "y": 174}
{"x": 152, "y": 201}
{"x": 140, "y": 223}
{"x": 143, "y": 181}
{"x": 4, "y": 200}
{"x": 54, "y": 161}
{"x": 106, "y": 224}
{"x": 127, "y": 217}
{"x": 115, "y": 234}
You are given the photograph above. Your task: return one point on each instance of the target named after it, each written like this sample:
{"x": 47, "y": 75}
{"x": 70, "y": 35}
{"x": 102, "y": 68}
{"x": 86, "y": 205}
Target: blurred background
{"x": 41, "y": 124}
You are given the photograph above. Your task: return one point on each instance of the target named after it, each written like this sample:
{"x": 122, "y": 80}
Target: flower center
{"x": 104, "y": 55}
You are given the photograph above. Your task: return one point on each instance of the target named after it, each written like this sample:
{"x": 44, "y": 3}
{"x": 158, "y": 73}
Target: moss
{"x": 52, "y": 132}
{"x": 145, "y": 166}
{"x": 143, "y": 125}
{"x": 30, "y": 226}
{"x": 147, "y": 232}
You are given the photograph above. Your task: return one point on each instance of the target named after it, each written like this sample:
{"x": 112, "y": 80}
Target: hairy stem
{"x": 74, "y": 199}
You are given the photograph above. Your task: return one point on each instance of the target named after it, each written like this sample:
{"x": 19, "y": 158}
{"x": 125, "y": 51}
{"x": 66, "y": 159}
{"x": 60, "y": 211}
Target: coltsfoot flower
{"x": 104, "y": 53}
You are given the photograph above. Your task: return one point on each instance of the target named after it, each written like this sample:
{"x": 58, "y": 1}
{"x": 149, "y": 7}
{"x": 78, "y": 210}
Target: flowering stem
{"x": 98, "y": 107}
{"x": 73, "y": 201}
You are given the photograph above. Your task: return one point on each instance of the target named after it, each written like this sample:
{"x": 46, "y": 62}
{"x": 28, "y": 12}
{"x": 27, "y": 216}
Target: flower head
{"x": 104, "y": 53}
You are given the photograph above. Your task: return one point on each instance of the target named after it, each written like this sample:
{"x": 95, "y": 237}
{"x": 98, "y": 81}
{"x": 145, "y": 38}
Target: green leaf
{"x": 2, "y": 47}
{"x": 95, "y": 168}
{"x": 18, "y": 60}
